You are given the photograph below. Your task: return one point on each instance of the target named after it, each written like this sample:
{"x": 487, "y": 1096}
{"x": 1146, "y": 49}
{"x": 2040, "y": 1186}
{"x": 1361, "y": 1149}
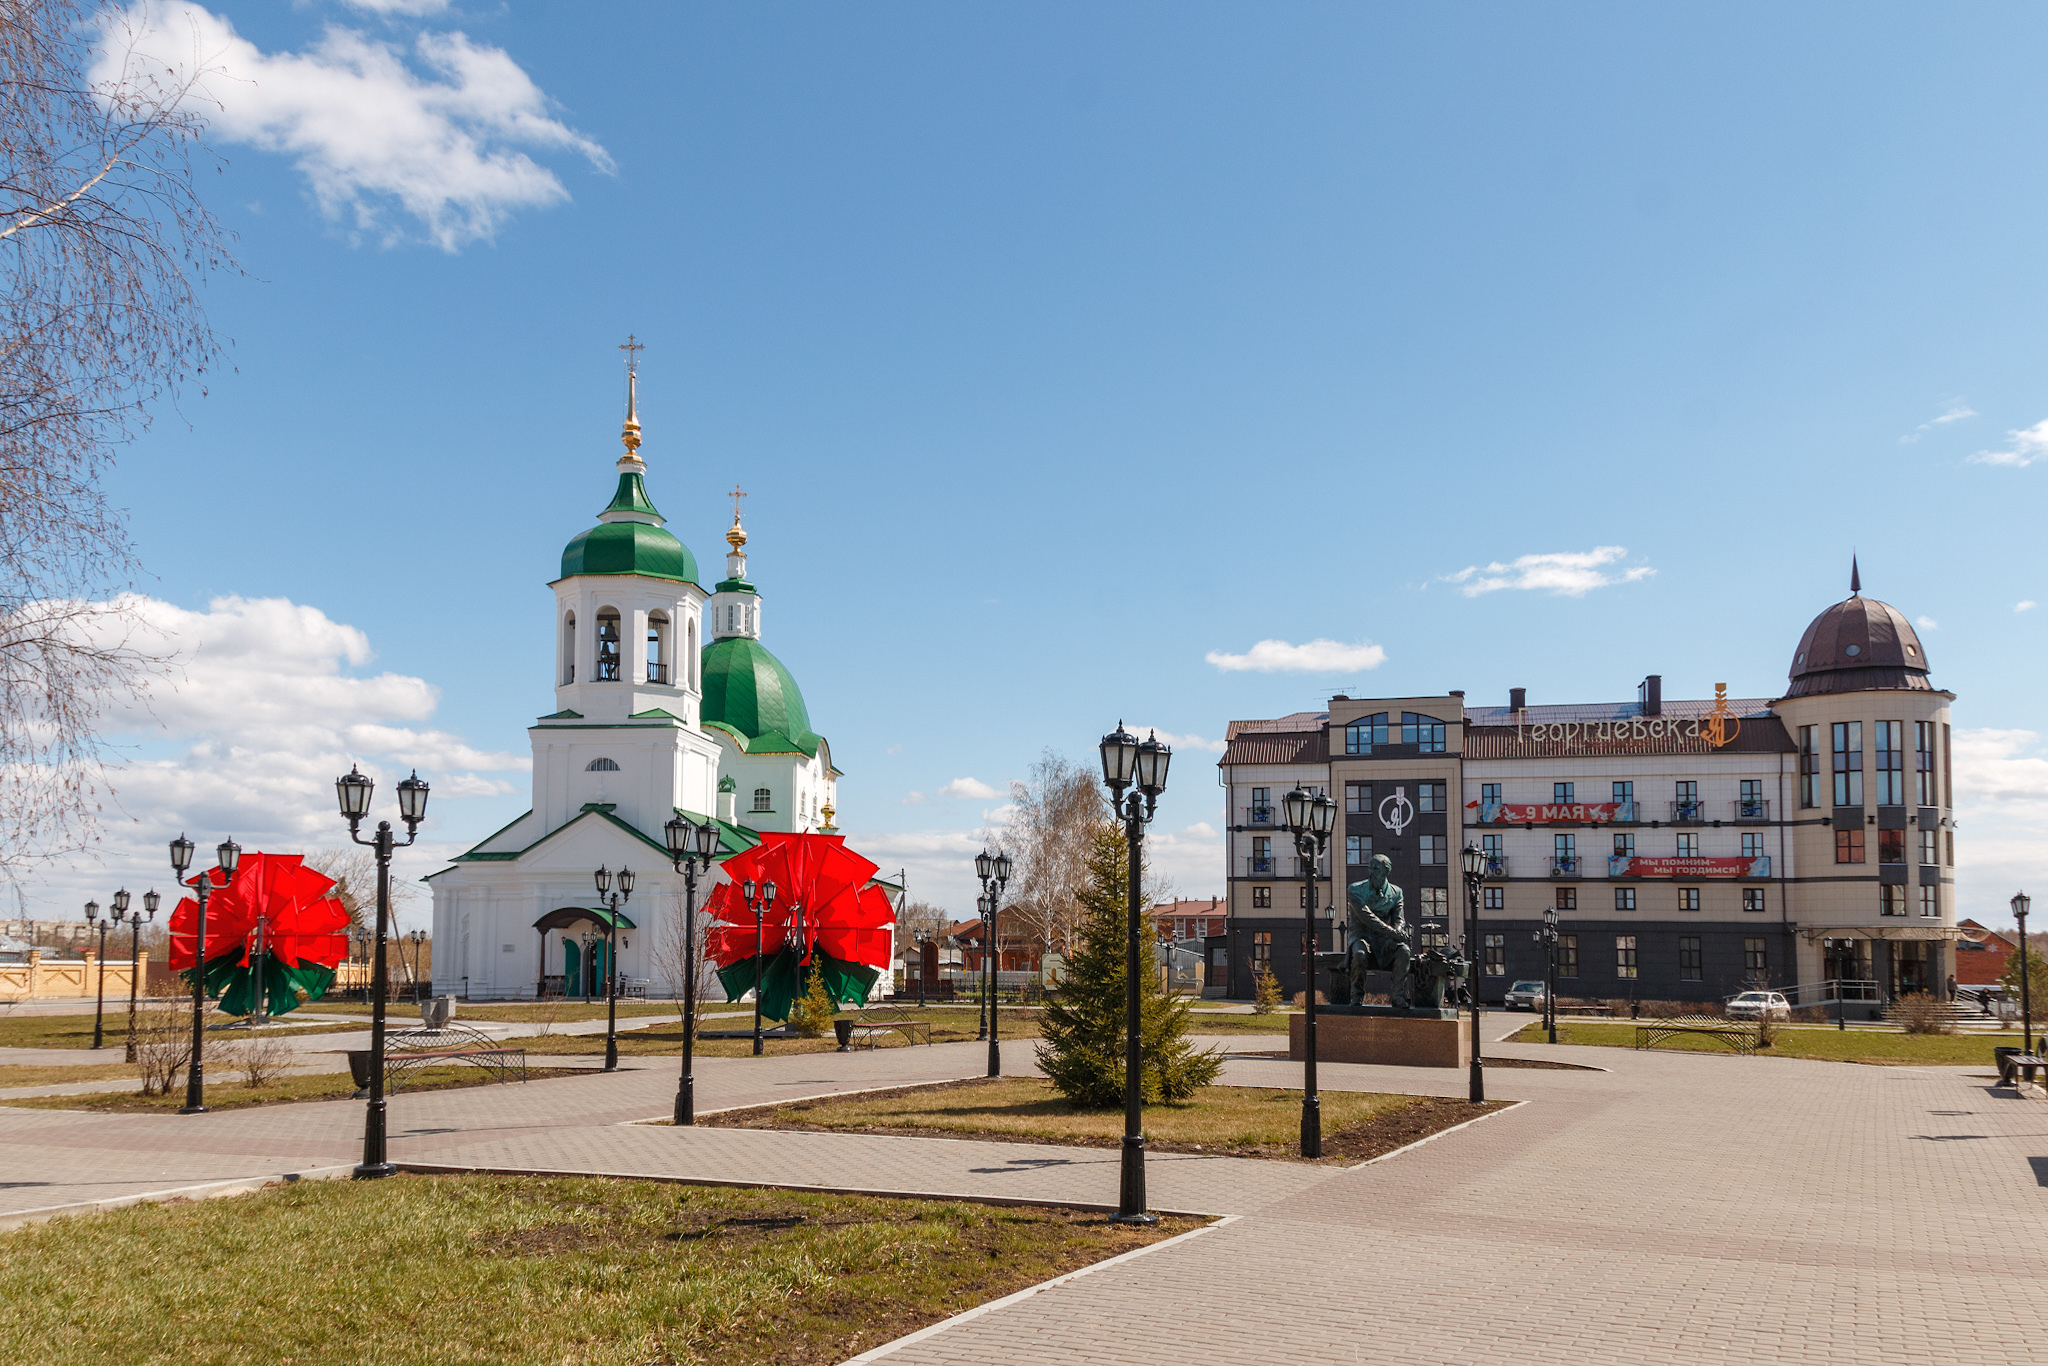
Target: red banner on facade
{"x": 1689, "y": 867}
{"x": 1498, "y": 813}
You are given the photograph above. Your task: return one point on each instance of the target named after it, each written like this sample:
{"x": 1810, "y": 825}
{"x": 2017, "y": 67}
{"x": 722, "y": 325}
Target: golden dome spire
{"x": 737, "y": 537}
{"x": 629, "y": 434}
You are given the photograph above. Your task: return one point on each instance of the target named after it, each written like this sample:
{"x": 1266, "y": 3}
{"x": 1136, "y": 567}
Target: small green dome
{"x": 747, "y": 690}
{"x": 629, "y": 548}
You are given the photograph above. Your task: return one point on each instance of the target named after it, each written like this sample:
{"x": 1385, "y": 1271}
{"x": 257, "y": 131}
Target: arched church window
{"x": 601, "y": 766}
{"x": 569, "y": 648}
{"x": 692, "y": 656}
{"x": 657, "y": 647}
{"x": 607, "y": 645}
{"x": 761, "y": 799}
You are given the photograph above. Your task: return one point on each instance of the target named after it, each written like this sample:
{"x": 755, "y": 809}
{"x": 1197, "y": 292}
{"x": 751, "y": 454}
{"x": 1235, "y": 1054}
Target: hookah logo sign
{"x": 1396, "y": 812}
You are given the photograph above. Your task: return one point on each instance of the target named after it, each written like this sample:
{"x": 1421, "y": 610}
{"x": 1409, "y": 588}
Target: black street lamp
{"x": 690, "y": 847}
{"x": 994, "y": 872}
{"x": 611, "y": 900}
{"x": 758, "y": 905}
{"x": 228, "y": 856}
{"x": 150, "y": 901}
{"x": 1137, "y": 767}
{"x": 92, "y": 917}
{"x": 353, "y": 791}
{"x": 1310, "y": 818}
{"x": 419, "y": 942}
{"x": 1475, "y": 873}
{"x": 2021, "y": 904}
{"x": 1547, "y": 937}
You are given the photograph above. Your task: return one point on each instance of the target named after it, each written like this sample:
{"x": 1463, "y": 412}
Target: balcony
{"x": 1688, "y": 812}
{"x": 1255, "y": 866}
{"x": 1496, "y": 865}
{"x": 1258, "y": 815}
{"x": 657, "y": 673}
{"x": 1284, "y": 867}
{"x": 1564, "y": 865}
{"x": 1625, "y": 813}
{"x": 1751, "y": 810}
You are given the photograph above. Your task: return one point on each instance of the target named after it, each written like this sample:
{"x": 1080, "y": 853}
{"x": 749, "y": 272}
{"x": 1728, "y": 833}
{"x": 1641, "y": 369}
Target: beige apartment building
{"x": 1689, "y": 847}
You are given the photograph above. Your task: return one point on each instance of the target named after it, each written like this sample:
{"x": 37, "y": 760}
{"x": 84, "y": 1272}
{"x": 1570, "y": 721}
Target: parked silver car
{"x": 1525, "y": 996}
{"x": 1751, "y": 1005}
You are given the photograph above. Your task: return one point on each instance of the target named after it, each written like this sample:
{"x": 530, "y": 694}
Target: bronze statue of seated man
{"x": 1379, "y": 933}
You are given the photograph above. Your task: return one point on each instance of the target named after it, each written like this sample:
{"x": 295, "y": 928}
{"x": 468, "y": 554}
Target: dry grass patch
{"x": 222, "y": 1093}
{"x": 1224, "y": 1121}
{"x": 518, "y": 1271}
{"x": 62, "y": 1076}
{"x": 1824, "y": 1044}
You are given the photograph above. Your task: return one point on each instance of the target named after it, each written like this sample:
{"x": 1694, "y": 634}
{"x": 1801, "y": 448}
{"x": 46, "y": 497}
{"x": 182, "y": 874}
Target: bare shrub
{"x": 260, "y": 1058}
{"x": 1920, "y": 1012}
{"x": 163, "y": 1041}
{"x": 1300, "y": 998}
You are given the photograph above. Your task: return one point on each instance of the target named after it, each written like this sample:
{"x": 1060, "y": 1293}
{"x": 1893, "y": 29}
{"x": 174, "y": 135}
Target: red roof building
{"x": 1981, "y": 955}
{"x": 1017, "y": 949}
{"x": 1177, "y": 920}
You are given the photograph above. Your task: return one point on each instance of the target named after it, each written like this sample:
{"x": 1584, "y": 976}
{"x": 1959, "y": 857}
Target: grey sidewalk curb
{"x": 930, "y": 1330}
{"x": 208, "y": 1190}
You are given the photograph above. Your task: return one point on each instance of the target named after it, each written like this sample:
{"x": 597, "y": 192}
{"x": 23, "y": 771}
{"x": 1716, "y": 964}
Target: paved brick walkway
{"x": 1676, "y": 1207}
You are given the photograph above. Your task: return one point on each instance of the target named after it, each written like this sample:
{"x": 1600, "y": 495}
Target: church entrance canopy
{"x": 566, "y": 916}
{"x": 583, "y": 974}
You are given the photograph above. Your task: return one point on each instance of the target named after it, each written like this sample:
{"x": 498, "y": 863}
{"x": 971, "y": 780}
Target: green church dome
{"x": 747, "y": 690}
{"x": 630, "y": 547}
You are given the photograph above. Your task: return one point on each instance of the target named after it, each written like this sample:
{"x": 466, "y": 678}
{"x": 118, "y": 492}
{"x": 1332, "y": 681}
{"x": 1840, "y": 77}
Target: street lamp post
{"x": 419, "y": 941}
{"x": 150, "y": 901}
{"x": 611, "y": 901}
{"x": 994, "y": 872}
{"x": 1137, "y": 768}
{"x": 758, "y": 905}
{"x": 1475, "y": 873}
{"x": 228, "y": 855}
{"x": 352, "y": 790}
{"x": 690, "y": 847}
{"x": 92, "y": 917}
{"x": 1310, "y": 818}
{"x": 1547, "y": 937}
{"x": 2021, "y": 904}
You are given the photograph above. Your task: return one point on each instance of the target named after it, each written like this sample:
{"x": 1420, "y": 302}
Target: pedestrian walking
{"x": 1951, "y": 988}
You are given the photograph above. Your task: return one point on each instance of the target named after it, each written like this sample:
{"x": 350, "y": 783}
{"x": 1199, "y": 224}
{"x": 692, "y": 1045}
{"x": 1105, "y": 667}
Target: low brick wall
{"x": 62, "y": 977}
{"x": 1389, "y": 1040}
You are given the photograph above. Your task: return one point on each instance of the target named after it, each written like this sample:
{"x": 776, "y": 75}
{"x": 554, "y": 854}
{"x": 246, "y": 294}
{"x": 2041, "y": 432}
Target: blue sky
{"x": 1060, "y": 347}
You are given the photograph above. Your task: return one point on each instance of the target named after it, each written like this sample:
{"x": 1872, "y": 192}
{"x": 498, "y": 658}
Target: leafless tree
{"x": 354, "y": 870}
{"x": 104, "y": 243}
{"x": 669, "y": 952}
{"x": 1056, "y": 813}
{"x": 919, "y": 921}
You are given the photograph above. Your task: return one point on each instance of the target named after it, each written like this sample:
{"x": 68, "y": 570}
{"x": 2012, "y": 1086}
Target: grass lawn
{"x": 518, "y": 1271}
{"x": 1228, "y": 1121}
{"x": 225, "y": 1091}
{"x": 404, "y": 1014}
{"x": 59, "y": 1076}
{"x": 75, "y": 1031}
{"x": 1826, "y": 1044}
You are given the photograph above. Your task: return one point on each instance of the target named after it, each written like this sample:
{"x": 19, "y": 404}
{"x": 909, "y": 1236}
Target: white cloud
{"x": 434, "y": 132}
{"x": 1955, "y": 411}
{"x": 1315, "y": 656}
{"x": 1567, "y": 573}
{"x": 913, "y": 799}
{"x": 1927, "y": 623}
{"x": 2001, "y": 799}
{"x": 2022, "y": 448}
{"x": 405, "y": 7}
{"x": 2025, "y": 605}
{"x": 1180, "y": 742}
{"x": 264, "y": 705}
{"x": 971, "y": 788}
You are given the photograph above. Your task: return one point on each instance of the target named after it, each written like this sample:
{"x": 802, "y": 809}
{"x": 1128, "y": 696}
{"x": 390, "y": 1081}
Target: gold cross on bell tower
{"x": 630, "y": 433}
{"x": 737, "y": 537}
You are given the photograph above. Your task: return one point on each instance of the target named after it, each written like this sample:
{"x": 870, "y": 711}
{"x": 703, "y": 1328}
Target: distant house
{"x": 1981, "y": 955}
{"x": 1182, "y": 920}
{"x": 1016, "y": 948}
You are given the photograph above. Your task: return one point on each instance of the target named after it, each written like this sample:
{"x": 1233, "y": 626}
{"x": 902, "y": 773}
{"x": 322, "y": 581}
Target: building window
{"x": 1624, "y": 955}
{"x": 1567, "y": 898}
{"x": 1688, "y": 958}
{"x": 1357, "y": 799}
{"x": 1567, "y": 955}
{"x": 1426, "y": 733}
{"x": 1496, "y": 947}
{"x": 1923, "y": 764}
{"x": 1436, "y": 901}
{"x": 1489, "y": 794}
{"x": 1929, "y": 853}
{"x": 1357, "y": 850}
{"x": 1750, "y": 805}
{"x": 1433, "y": 850}
{"x": 1624, "y": 846}
{"x": 1685, "y": 802}
{"x": 1361, "y": 735}
{"x": 1625, "y": 798}
{"x": 1493, "y": 898}
{"x": 762, "y": 799}
{"x": 1688, "y": 898}
{"x": 1849, "y": 845}
{"x": 1262, "y": 898}
{"x": 1262, "y": 806}
{"x": 1624, "y": 898}
{"x": 1562, "y": 793}
{"x": 1756, "y": 958}
{"x": 1949, "y": 851}
{"x": 1752, "y": 898}
{"x": 569, "y": 648}
{"x": 1891, "y": 762}
{"x": 1564, "y": 854}
{"x": 1262, "y": 948}
{"x": 1891, "y": 846}
{"x": 1930, "y": 902}
{"x": 657, "y": 647}
{"x": 1429, "y": 799}
{"x": 1492, "y": 847}
{"x": 601, "y": 766}
{"x": 1752, "y": 845}
{"x": 1303, "y": 899}
{"x": 1809, "y": 769}
{"x": 1848, "y": 741}
{"x": 1891, "y": 899}
{"x": 1688, "y": 846}
{"x": 1435, "y": 937}
{"x": 1262, "y": 854}
{"x": 607, "y": 645}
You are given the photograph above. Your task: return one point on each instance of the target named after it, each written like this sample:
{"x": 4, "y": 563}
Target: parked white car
{"x": 1525, "y": 996}
{"x": 1752, "y": 1005}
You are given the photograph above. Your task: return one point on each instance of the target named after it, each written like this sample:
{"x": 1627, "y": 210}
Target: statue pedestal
{"x": 1396, "y": 1040}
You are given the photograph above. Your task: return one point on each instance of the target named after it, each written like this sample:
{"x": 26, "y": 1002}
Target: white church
{"x": 648, "y": 721}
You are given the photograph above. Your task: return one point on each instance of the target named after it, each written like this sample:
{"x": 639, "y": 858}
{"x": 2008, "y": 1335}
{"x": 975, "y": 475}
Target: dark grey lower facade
{"x": 1234, "y": 955}
{"x": 1646, "y": 960}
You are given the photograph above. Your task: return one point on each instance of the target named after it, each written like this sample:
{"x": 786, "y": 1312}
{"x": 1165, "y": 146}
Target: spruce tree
{"x": 1083, "y": 1023}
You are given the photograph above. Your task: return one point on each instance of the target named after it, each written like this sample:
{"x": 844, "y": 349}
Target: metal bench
{"x": 860, "y": 1028}
{"x": 1743, "y": 1039}
{"x": 410, "y": 1050}
{"x": 2015, "y": 1066}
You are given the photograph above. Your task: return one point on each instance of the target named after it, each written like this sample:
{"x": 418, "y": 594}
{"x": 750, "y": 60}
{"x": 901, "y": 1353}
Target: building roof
{"x": 1681, "y": 708}
{"x": 629, "y": 548}
{"x": 1275, "y": 746}
{"x": 1167, "y": 910}
{"x": 748, "y": 691}
{"x": 1300, "y": 720}
{"x": 1857, "y": 645}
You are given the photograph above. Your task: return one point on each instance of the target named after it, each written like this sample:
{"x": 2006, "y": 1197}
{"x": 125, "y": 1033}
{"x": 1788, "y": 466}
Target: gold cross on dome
{"x": 632, "y": 347}
{"x": 737, "y": 494}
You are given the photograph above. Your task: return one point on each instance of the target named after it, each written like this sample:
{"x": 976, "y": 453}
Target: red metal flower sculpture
{"x": 278, "y": 920}
{"x": 826, "y": 920}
